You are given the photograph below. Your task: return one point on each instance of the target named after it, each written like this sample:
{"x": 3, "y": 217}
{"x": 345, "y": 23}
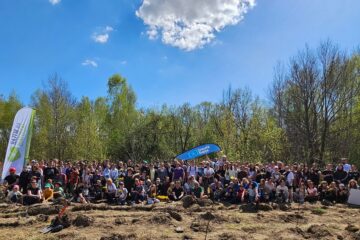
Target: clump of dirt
{"x": 351, "y": 228}
{"x": 199, "y": 227}
{"x": 204, "y": 202}
{"x": 120, "y": 220}
{"x": 293, "y": 218}
{"x": 227, "y": 236}
{"x": 131, "y": 236}
{"x": 249, "y": 208}
{"x": 318, "y": 231}
{"x": 175, "y": 215}
{"x": 264, "y": 207}
{"x": 43, "y": 209}
{"x": 208, "y": 216}
{"x": 42, "y": 218}
{"x": 188, "y": 201}
{"x": 160, "y": 219}
{"x": 83, "y": 221}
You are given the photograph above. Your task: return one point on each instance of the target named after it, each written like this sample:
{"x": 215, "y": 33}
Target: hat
{"x": 59, "y": 183}
{"x": 121, "y": 183}
{"x": 12, "y": 169}
{"x": 47, "y": 185}
{"x": 341, "y": 185}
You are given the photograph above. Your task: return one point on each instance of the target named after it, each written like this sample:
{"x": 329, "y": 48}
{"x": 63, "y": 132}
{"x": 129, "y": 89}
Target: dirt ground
{"x": 173, "y": 221}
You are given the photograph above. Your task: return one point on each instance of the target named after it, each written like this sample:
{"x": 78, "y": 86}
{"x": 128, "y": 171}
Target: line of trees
{"x": 312, "y": 116}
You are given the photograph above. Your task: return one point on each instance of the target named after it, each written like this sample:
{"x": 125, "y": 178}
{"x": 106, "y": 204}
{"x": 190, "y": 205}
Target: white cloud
{"x": 89, "y": 62}
{"x": 54, "y": 2}
{"x": 189, "y": 24}
{"x": 103, "y": 35}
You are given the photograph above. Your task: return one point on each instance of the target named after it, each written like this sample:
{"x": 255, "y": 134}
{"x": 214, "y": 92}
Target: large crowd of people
{"x": 127, "y": 182}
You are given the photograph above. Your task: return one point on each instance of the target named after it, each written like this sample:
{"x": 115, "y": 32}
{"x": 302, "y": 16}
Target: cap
{"x": 47, "y": 185}
{"x": 59, "y": 183}
{"x": 12, "y": 169}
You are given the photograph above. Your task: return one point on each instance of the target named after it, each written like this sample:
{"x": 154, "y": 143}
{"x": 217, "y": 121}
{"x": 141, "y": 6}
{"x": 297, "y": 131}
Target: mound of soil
{"x": 175, "y": 215}
{"x": 318, "y": 231}
{"x": 120, "y": 220}
{"x": 43, "y": 209}
{"x": 293, "y": 218}
{"x": 199, "y": 226}
{"x": 131, "y": 236}
{"x": 160, "y": 219}
{"x": 188, "y": 201}
{"x": 208, "y": 216}
{"x": 83, "y": 221}
{"x": 351, "y": 228}
{"x": 227, "y": 236}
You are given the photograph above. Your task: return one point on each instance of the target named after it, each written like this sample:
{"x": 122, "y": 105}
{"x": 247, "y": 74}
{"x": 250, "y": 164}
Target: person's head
{"x": 47, "y": 186}
{"x": 58, "y": 184}
{"x": 262, "y": 181}
{"x": 353, "y": 184}
{"x": 344, "y": 160}
{"x": 109, "y": 181}
{"x": 282, "y": 182}
{"x": 196, "y": 184}
{"x": 172, "y": 184}
{"x": 33, "y": 183}
{"x": 157, "y": 181}
{"x": 177, "y": 184}
{"x": 324, "y": 184}
{"x": 12, "y": 170}
{"x": 341, "y": 186}
{"x": 16, "y": 188}
{"x": 340, "y": 167}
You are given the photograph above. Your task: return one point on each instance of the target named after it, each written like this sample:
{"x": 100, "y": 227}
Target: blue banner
{"x": 199, "y": 151}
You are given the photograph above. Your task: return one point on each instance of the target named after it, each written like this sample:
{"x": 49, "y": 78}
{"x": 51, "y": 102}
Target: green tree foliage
{"x": 8, "y": 109}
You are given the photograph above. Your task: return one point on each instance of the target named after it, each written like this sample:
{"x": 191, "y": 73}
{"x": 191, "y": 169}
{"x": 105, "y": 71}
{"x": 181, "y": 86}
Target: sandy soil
{"x": 173, "y": 221}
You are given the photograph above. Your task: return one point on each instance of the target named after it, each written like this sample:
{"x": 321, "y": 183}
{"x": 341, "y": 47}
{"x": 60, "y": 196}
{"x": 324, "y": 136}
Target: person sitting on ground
{"x": 282, "y": 192}
{"x": 189, "y": 185}
{"x": 15, "y": 196}
{"x": 78, "y": 193}
{"x": 12, "y": 179}
{"x": 270, "y": 189}
{"x": 311, "y": 192}
{"x": 110, "y": 191}
{"x": 34, "y": 194}
{"x": 241, "y": 194}
{"x": 48, "y": 192}
{"x": 58, "y": 191}
{"x": 198, "y": 191}
{"x": 216, "y": 190}
{"x": 263, "y": 197}
{"x": 170, "y": 191}
{"x": 138, "y": 192}
{"x": 230, "y": 194}
{"x": 323, "y": 189}
{"x": 353, "y": 184}
{"x": 122, "y": 194}
{"x": 342, "y": 194}
{"x": 177, "y": 192}
{"x": 331, "y": 192}
{"x": 252, "y": 191}
{"x": 300, "y": 193}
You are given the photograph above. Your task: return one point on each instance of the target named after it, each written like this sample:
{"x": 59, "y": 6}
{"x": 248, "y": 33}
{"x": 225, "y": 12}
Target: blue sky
{"x": 86, "y": 41}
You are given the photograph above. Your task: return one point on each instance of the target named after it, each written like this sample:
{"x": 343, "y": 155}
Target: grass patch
{"x": 318, "y": 211}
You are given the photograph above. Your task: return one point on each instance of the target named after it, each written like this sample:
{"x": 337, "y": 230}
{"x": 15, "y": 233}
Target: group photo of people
{"x": 151, "y": 182}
